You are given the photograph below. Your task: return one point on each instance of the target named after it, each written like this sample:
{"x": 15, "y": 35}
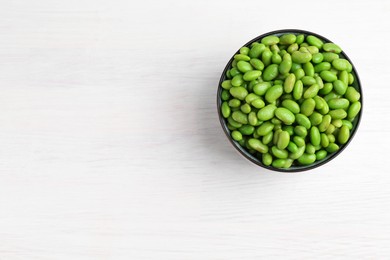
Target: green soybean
{"x": 317, "y": 58}
{"x": 343, "y": 135}
{"x": 315, "y": 118}
{"x": 328, "y": 76}
{"x": 258, "y": 103}
{"x": 270, "y": 72}
{"x": 256, "y": 63}
{"x": 266, "y": 57}
{"x": 266, "y": 113}
{"x": 338, "y": 113}
{"x": 270, "y": 40}
{"x": 331, "y": 47}
{"x": 301, "y": 57}
{"x": 332, "y": 147}
{"x": 288, "y": 39}
{"x": 252, "y": 75}
{"x": 283, "y": 140}
{"x": 292, "y": 147}
{"x": 273, "y": 93}
{"x": 313, "y": 40}
{"x": 337, "y": 103}
{"x": 307, "y": 159}
{"x": 285, "y": 115}
{"x": 300, "y": 131}
{"x": 256, "y": 50}
{"x": 240, "y": 117}
{"x": 354, "y": 109}
{"x": 303, "y": 120}
{"x": 340, "y": 64}
{"x": 339, "y": 87}
{"x": 308, "y": 106}
{"x": 291, "y": 105}
{"x": 252, "y": 118}
{"x": 325, "y": 123}
{"x": 261, "y": 88}
{"x": 268, "y": 138}
{"x": 236, "y": 135}
{"x": 315, "y": 137}
{"x": 243, "y": 57}
{"x": 329, "y": 56}
{"x": 239, "y": 92}
{"x": 308, "y": 68}
{"x": 257, "y": 145}
{"x": 244, "y": 66}
{"x": 266, "y": 159}
{"x": 308, "y": 80}
{"x": 312, "y": 91}
{"x": 289, "y": 83}
{"x": 321, "y": 154}
{"x": 246, "y": 108}
{"x": 279, "y": 153}
{"x": 225, "y": 109}
{"x": 324, "y": 140}
{"x": 352, "y": 95}
{"x": 298, "y": 90}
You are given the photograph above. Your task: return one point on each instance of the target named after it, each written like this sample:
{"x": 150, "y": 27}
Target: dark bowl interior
{"x": 356, "y": 84}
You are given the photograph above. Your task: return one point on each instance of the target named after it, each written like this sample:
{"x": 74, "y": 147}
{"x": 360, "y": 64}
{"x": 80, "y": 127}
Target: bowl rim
{"x": 257, "y": 161}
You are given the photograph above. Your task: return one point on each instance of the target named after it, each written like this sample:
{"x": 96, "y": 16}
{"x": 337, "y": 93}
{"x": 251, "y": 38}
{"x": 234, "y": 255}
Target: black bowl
{"x": 298, "y": 168}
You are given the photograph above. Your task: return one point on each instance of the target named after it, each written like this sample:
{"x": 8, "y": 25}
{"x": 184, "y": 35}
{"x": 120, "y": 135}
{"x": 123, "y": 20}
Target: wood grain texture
{"x": 111, "y": 147}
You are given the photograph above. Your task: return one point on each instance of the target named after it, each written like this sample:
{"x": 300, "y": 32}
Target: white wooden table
{"x": 110, "y": 146}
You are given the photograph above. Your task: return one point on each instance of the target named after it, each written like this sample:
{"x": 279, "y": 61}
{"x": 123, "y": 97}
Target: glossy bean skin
{"x": 339, "y": 87}
{"x": 343, "y": 135}
{"x": 303, "y": 120}
{"x": 315, "y": 137}
{"x": 291, "y": 105}
{"x": 273, "y": 93}
{"x": 354, "y": 109}
{"x": 337, "y": 103}
{"x": 352, "y": 95}
{"x": 320, "y": 155}
{"x": 340, "y": 64}
{"x": 307, "y": 159}
{"x": 279, "y": 153}
{"x": 289, "y": 83}
{"x": 331, "y": 47}
{"x": 240, "y": 117}
{"x": 298, "y": 90}
{"x": 236, "y": 135}
{"x": 257, "y": 145}
{"x": 283, "y": 140}
{"x": 328, "y": 76}
{"x": 261, "y": 88}
{"x": 265, "y": 128}
{"x": 270, "y": 40}
{"x": 271, "y": 72}
{"x": 312, "y": 91}
{"x": 308, "y": 106}
{"x": 301, "y": 57}
{"x": 288, "y": 39}
{"x": 266, "y": 113}
{"x": 267, "y": 159}
{"x": 225, "y": 109}
{"x": 252, "y": 75}
{"x": 285, "y": 115}
{"x": 239, "y": 92}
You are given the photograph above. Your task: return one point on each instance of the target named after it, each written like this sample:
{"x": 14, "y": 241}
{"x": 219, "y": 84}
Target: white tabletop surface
{"x": 110, "y": 145}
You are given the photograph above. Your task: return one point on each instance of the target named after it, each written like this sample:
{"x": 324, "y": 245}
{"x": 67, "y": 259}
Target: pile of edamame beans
{"x": 289, "y": 100}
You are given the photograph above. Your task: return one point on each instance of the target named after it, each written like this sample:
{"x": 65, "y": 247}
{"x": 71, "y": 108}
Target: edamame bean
{"x": 266, "y": 113}
{"x": 288, "y": 39}
{"x": 285, "y": 115}
{"x": 310, "y": 149}
{"x": 312, "y": 91}
{"x": 329, "y": 56}
{"x": 270, "y": 72}
{"x": 285, "y": 66}
{"x": 313, "y": 40}
{"x": 256, "y": 63}
{"x": 266, "y": 57}
{"x": 239, "y": 92}
{"x": 236, "y": 135}
{"x": 324, "y": 140}
{"x": 347, "y": 124}
{"x": 267, "y": 159}
{"x": 332, "y": 147}
{"x": 328, "y": 76}
{"x": 292, "y": 147}
{"x": 252, "y": 118}
{"x": 270, "y": 40}
{"x": 250, "y": 97}
{"x": 337, "y": 103}
{"x": 273, "y": 93}
{"x": 308, "y": 106}
{"x": 226, "y": 84}
{"x": 352, "y": 95}
{"x": 243, "y": 57}
{"x": 257, "y": 145}
{"x": 258, "y": 103}
{"x": 308, "y": 80}
{"x": 308, "y": 68}
{"x": 325, "y": 123}
{"x": 291, "y": 105}
{"x": 282, "y": 163}
{"x": 317, "y": 58}
{"x": 225, "y": 95}
{"x": 246, "y": 108}
{"x": 331, "y": 47}
{"x": 252, "y": 75}
{"x": 265, "y": 128}
{"x": 354, "y": 109}
{"x": 323, "y": 66}
{"x": 301, "y": 57}
{"x": 289, "y": 83}
{"x": 261, "y": 88}
{"x": 307, "y": 159}
{"x": 300, "y": 131}
{"x": 237, "y": 80}
{"x": 343, "y": 76}
{"x": 225, "y": 109}
{"x": 321, "y": 154}
{"x": 339, "y": 87}
{"x": 338, "y": 114}
{"x": 315, "y": 137}
{"x": 234, "y": 103}
{"x": 240, "y": 117}
{"x": 343, "y": 135}
{"x": 279, "y": 153}
{"x": 303, "y": 120}
{"x": 315, "y": 118}
{"x": 340, "y": 64}
{"x": 256, "y": 50}
{"x": 268, "y": 138}
{"x": 283, "y": 140}
{"x": 244, "y": 66}
{"x": 276, "y": 58}
{"x": 298, "y": 90}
